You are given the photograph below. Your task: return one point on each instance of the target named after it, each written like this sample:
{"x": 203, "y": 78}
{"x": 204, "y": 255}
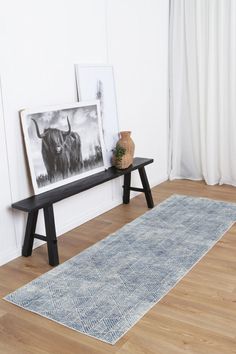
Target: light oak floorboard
{"x": 198, "y": 316}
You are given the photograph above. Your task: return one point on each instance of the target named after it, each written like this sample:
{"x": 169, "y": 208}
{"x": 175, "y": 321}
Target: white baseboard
{"x": 9, "y": 255}
{"x": 159, "y": 180}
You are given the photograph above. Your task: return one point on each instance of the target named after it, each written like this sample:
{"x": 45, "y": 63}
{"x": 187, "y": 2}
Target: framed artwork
{"x": 97, "y": 82}
{"x": 63, "y": 143}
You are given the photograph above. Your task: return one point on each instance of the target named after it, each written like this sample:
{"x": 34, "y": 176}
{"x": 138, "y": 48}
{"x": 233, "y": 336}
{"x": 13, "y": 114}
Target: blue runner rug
{"x": 106, "y": 289}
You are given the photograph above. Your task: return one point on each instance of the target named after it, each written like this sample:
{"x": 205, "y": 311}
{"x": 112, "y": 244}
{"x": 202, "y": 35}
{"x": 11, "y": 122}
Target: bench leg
{"x": 51, "y": 235}
{"x": 126, "y": 193}
{"x": 29, "y": 233}
{"x": 146, "y": 187}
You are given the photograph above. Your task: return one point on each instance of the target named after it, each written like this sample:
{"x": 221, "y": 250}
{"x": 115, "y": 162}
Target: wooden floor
{"x": 197, "y": 316}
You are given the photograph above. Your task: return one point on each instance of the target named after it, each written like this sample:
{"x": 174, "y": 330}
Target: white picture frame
{"x": 96, "y": 81}
{"x": 64, "y": 143}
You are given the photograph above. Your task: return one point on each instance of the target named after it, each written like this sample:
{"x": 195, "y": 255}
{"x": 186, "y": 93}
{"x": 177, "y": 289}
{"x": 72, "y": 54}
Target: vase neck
{"x": 125, "y": 134}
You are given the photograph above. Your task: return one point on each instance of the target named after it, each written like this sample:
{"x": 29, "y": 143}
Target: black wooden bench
{"x": 46, "y": 200}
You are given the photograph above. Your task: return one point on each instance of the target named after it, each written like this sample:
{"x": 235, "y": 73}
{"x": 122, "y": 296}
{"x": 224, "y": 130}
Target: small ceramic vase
{"x": 127, "y": 143}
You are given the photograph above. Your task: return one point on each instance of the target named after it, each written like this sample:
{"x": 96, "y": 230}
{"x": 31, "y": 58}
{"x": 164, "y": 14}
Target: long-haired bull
{"x": 61, "y": 151}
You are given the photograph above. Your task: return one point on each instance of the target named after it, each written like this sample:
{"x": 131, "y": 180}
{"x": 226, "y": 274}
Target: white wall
{"x": 39, "y": 42}
{"x": 138, "y": 49}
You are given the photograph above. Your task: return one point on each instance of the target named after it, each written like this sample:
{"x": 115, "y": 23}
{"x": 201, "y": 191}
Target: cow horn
{"x": 40, "y": 136}
{"x": 69, "y": 130}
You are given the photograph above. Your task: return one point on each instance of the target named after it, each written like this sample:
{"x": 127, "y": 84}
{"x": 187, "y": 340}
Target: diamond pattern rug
{"x": 106, "y": 289}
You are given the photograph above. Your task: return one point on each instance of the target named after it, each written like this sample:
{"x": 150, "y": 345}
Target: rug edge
{"x": 61, "y": 324}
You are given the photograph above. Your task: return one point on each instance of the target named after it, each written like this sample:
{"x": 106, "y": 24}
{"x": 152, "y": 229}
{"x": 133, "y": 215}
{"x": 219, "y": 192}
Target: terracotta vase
{"x": 127, "y": 143}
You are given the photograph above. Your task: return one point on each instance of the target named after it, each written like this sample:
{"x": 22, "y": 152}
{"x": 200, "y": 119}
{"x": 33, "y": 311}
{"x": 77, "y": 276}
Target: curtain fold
{"x": 202, "y": 68}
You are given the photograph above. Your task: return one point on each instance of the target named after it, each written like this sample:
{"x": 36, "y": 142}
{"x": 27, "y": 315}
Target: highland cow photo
{"x": 63, "y": 144}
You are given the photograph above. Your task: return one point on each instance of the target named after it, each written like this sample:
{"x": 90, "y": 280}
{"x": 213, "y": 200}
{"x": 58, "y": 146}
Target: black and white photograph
{"x": 97, "y": 82}
{"x": 63, "y": 143}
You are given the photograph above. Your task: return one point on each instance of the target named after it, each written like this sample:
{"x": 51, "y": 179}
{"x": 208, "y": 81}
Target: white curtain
{"x": 203, "y": 90}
